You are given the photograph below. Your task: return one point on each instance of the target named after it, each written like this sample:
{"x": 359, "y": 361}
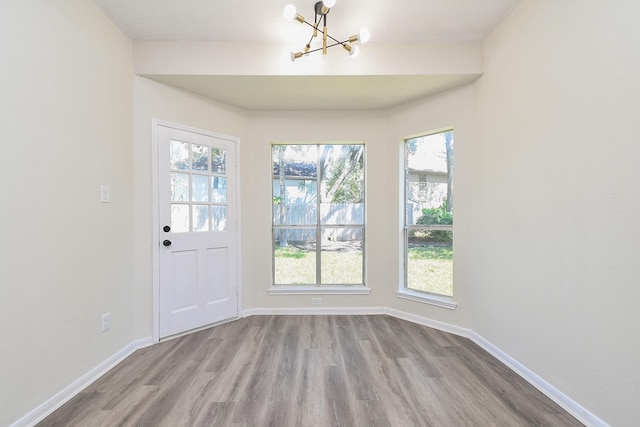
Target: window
{"x": 428, "y": 229}
{"x": 198, "y": 187}
{"x": 318, "y": 214}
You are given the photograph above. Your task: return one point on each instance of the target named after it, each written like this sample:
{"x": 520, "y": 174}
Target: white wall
{"x": 157, "y": 101}
{"x": 65, "y": 258}
{"x": 556, "y": 186}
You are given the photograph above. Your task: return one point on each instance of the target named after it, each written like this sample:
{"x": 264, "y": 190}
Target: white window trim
{"x": 431, "y": 299}
{"x": 319, "y": 290}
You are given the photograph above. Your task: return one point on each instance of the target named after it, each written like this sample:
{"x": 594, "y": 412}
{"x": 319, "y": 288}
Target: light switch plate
{"x": 106, "y": 322}
{"x": 104, "y": 194}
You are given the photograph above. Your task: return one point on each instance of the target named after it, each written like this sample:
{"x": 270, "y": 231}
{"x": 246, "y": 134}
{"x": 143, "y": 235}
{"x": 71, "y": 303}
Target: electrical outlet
{"x": 316, "y": 301}
{"x": 106, "y": 322}
{"x": 104, "y": 194}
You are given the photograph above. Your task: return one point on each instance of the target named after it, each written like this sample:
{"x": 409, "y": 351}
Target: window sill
{"x": 319, "y": 290}
{"x": 437, "y": 300}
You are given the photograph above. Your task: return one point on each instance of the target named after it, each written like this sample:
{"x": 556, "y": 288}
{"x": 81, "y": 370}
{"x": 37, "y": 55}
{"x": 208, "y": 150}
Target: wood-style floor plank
{"x": 312, "y": 371}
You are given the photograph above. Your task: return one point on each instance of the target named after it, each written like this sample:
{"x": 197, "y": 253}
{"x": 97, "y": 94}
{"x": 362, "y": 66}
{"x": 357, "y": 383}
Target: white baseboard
{"x": 303, "y": 311}
{"x": 67, "y": 393}
{"x": 565, "y": 402}
{"x": 424, "y": 321}
{"x": 356, "y": 311}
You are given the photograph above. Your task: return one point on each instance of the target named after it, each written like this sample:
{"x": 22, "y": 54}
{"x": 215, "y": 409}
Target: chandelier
{"x": 322, "y": 9}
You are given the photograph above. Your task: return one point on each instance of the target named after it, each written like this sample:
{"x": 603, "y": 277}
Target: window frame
{"x": 404, "y": 292}
{"x": 319, "y": 227}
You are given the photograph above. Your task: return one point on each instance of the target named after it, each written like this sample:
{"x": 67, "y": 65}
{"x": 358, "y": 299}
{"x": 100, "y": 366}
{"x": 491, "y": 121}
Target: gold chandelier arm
{"x": 329, "y": 46}
{"x": 324, "y": 40}
{"x": 306, "y": 51}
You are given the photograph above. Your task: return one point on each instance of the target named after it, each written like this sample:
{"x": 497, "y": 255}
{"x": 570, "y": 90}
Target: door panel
{"x": 184, "y": 278}
{"x": 217, "y": 258}
{"x": 197, "y": 205}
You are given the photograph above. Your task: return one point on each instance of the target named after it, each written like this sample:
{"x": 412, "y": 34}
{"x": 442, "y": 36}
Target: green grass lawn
{"x": 430, "y": 268}
{"x": 294, "y": 266}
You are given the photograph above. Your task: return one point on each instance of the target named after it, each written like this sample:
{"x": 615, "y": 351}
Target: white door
{"x": 198, "y": 238}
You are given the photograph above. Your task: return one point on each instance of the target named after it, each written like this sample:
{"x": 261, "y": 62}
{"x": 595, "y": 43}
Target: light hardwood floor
{"x": 312, "y": 371}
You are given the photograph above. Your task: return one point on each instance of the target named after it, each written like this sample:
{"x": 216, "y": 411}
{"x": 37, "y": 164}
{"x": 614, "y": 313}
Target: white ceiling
{"x": 262, "y": 21}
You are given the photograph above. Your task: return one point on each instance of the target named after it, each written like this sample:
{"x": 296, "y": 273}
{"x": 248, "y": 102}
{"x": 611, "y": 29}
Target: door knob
{"x": 167, "y": 243}
{"x": 166, "y": 229}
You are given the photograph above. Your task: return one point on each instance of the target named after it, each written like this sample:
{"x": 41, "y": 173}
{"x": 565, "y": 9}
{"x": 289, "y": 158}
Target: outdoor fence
{"x": 346, "y": 214}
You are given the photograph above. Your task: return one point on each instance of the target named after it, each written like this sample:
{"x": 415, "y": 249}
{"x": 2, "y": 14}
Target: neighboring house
{"x": 427, "y": 189}
{"x": 300, "y": 182}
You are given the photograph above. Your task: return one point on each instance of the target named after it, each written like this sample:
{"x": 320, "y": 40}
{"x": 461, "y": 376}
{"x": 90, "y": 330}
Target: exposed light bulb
{"x": 329, "y": 3}
{"x": 290, "y": 12}
{"x": 354, "y": 52}
{"x": 295, "y": 55}
{"x": 364, "y": 35}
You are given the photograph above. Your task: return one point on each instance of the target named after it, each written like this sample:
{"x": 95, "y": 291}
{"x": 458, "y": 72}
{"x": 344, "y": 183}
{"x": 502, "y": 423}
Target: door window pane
{"x": 179, "y": 218}
{"x": 179, "y": 187}
{"x": 219, "y": 218}
{"x": 218, "y": 189}
{"x": 200, "y": 218}
{"x": 179, "y": 155}
{"x": 200, "y": 192}
{"x": 218, "y": 160}
{"x": 200, "y": 157}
